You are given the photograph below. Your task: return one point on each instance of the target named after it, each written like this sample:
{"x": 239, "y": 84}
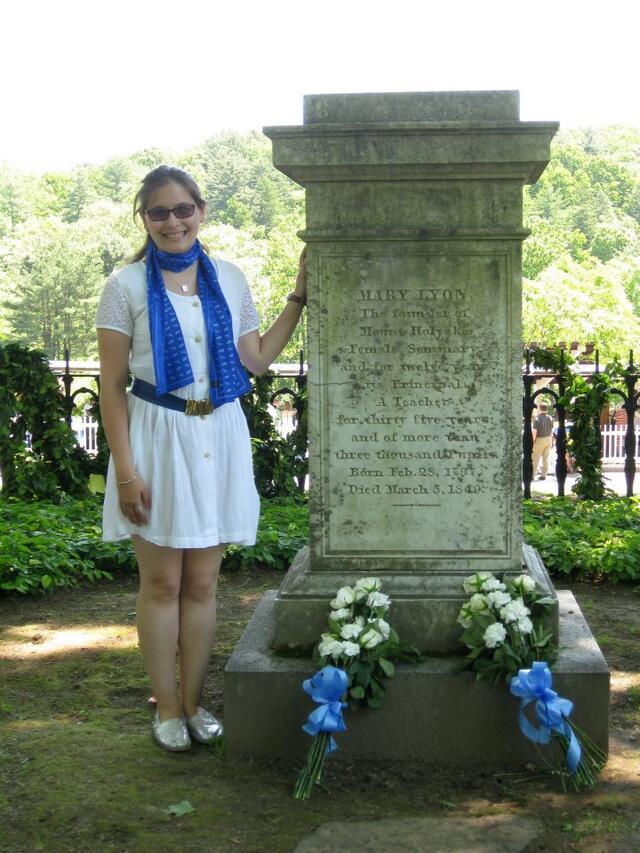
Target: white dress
{"x": 198, "y": 469}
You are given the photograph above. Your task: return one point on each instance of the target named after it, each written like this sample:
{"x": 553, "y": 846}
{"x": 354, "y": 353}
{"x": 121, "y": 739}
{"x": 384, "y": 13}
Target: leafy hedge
{"x": 45, "y": 545}
{"x": 586, "y": 538}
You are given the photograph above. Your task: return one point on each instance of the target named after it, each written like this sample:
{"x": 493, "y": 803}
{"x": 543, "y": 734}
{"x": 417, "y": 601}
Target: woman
{"x": 180, "y": 479}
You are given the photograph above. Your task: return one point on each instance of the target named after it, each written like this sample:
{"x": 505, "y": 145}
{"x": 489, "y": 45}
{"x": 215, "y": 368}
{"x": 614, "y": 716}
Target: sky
{"x": 87, "y": 81}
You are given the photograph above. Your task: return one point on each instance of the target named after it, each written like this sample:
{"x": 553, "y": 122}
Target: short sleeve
{"x": 249, "y": 320}
{"x": 114, "y": 311}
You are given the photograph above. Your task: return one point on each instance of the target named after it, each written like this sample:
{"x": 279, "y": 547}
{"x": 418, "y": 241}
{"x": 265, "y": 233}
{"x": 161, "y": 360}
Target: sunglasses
{"x": 160, "y": 214}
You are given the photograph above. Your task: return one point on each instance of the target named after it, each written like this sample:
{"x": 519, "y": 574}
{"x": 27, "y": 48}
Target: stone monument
{"x": 414, "y": 234}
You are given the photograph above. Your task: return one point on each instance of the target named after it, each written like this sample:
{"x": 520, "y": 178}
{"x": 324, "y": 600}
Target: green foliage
{"x": 519, "y": 638}
{"x": 44, "y": 546}
{"x": 584, "y": 400}
{"x": 282, "y": 532}
{"x": 31, "y": 402}
{"x": 581, "y": 302}
{"x": 276, "y": 460}
{"x": 586, "y": 538}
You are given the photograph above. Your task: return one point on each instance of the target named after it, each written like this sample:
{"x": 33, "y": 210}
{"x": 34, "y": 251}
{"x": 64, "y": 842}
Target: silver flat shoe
{"x": 204, "y": 727}
{"x": 171, "y": 734}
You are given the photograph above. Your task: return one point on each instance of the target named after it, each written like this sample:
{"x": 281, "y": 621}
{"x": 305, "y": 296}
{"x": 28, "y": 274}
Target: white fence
{"x": 613, "y": 444}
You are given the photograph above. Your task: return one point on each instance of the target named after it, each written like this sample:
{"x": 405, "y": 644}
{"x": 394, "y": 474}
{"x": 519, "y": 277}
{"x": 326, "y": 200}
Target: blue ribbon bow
{"x": 551, "y": 710}
{"x": 327, "y": 688}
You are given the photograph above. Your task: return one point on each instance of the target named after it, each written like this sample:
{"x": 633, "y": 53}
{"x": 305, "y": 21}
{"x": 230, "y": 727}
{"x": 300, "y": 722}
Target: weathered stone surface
{"x": 433, "y": 712}
{"x": 491, "y": 834}
{"x": 412, "y": 106}
{"x": 425, "y": 605}
{"x": 414, "y": 231}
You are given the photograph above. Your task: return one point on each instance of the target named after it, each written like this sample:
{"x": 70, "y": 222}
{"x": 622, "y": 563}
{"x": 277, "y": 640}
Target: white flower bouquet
{"x": 504, "y": 627}
{"x": 361, "y": 641}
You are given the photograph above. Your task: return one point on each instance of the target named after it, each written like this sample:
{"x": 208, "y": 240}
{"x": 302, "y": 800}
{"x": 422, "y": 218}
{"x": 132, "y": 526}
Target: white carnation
{"x": 351, "y": 631}
{"x": 344, "y": 597}
{"x": 514, "y": 611}
{"x": 498, "y": 599}
{"x": 343, "y": 613}
{"x": 330, "y": 647}
{"x": 492, "y": 584}
{"x": 465, "y": 617}
{"x": 381, "y": 627}
{"x": 378, "y": 599}
{"x": 350, "y": 649}
{"x": 474, "y": 582}
{"x": 494, "y": 635}
{"x": 369, "y": 585}
{"x": 524, "y": 582}
{"x": 370, "y": 639}
{"x": 478, "y": 602}
{"x": 525, "y": 625}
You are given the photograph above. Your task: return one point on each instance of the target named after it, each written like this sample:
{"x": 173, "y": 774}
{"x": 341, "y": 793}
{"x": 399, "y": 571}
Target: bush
{"x": 587, "y": 538}
{"x": 45, "y": 545}
{"x": 283, "y": 530}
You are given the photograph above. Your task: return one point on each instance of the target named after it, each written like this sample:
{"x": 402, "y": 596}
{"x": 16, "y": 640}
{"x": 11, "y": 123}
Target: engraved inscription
{"x": 415, "y": 411}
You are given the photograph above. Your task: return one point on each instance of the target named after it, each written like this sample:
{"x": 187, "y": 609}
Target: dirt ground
{"x": 80, "y": 772}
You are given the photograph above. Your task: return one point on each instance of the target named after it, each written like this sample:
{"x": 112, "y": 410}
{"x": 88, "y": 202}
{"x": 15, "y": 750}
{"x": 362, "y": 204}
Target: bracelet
{"x": 126, "y": 482}
{"x": 301, "y": 300}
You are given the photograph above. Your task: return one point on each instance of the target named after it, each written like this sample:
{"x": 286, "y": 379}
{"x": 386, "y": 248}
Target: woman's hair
{"x": 152, "y": 181}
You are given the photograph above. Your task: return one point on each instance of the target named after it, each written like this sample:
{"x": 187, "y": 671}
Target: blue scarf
{"x": 170, "y": 360}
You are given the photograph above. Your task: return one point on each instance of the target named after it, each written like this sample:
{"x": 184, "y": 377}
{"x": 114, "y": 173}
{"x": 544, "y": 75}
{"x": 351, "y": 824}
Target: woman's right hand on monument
{"x": 135, "y": 501}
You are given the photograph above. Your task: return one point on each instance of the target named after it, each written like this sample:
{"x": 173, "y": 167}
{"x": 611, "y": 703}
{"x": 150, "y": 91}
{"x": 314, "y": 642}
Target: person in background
{"x": 180, "y": 479}
{"x": 542, "y": 431}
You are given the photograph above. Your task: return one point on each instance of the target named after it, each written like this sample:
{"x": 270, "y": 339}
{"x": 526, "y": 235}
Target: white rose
{"x": 478, "y": 602}
{"x": 344, "y": 597}
{"x": 330, "y": 647}
{"x": 351, "y": 631}
{"x": 514, "y": 610}
{"x": 525, "y": 625}
{"x": 498, "y": 599}
{"x": 492, "y": 584}
{"x": 525, "y": 582}
{"x": 369, "y": 585}
{"x": 474, "y": 582}
{"x": 378, "y": 599}
{"x": 370, "y": 639}
{"x": 343, "y": 613}
{"x": 494, "y": 635}
{"x": 350, "y": 649}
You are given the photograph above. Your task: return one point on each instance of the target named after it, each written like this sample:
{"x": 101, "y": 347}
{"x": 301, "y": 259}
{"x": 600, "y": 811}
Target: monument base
{"x": 424, "y": 609}
{"x": 433, "y": 712}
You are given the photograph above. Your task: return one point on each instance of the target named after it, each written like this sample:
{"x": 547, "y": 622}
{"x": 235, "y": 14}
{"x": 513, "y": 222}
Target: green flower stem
{"x": 311, "y": 772}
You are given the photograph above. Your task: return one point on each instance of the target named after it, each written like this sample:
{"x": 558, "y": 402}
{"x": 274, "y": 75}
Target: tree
{"x": 570, "y": 302}
{"x": 54, "y": 282}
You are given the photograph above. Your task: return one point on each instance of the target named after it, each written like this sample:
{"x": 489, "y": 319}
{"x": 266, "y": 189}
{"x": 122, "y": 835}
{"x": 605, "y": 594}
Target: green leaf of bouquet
{"x": 375, "y": 701}
{"x": 387, "y": 667}
{"x": 180, "y": 809}
{"x": 357, "y": 692}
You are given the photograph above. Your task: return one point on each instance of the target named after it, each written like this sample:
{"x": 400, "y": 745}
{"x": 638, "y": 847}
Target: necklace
{"x": 184, "y": 288}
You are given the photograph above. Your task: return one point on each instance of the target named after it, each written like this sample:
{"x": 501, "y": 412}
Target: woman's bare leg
{"x": 158, "y": 614}
{"x": 197, "y": 621}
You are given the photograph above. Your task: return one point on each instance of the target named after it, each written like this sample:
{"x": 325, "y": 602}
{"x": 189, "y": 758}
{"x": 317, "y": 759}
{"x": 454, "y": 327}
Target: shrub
{"x": 45, "y": 545}
{"x": 283, "y": 530}
{"x": 591, "y": 539}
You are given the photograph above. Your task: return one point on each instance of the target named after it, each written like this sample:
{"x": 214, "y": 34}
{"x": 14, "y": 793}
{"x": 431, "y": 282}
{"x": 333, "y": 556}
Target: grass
{"x": 81, "y": 772}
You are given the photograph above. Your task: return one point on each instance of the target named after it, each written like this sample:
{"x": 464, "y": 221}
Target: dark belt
{"x": 147, "y": 391}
